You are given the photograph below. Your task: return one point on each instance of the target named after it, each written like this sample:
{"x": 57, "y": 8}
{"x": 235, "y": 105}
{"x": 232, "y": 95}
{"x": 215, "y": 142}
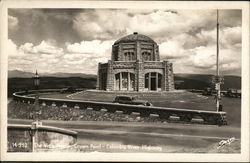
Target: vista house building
{"x": 135, "y": 66}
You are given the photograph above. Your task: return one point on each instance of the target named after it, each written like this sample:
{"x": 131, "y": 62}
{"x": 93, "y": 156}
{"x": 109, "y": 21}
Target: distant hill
{"x": 19, "y": 74}
{"x": 19, "y": 80}
{"x": 22, "y": 84}
{"x": 67, "y": 75}
{"x": 23, "y": 74}
{"x": 200, "y": 81}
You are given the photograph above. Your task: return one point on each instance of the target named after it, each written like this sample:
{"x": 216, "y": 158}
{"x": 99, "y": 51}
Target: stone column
{"x": 156, "y": 78}
{"x": 128, "y": 81}
{"x": 138, "y": 51}
{"x": 120, "y": 81}
{"x": 120, "y": 54}
{"x": 140, "y": 76}
{"x": 110, "y": 76}
{"x": 156, "y": 50}
{"x": 164, "y": 78}
{"x": 169, "y": 78}
{"x": 149, "y": 81}
{"x": 98, "y": 77}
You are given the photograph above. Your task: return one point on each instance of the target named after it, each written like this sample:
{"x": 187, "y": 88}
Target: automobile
{"x": 207, "y": 91}
{"x": 68, "y": 90}
{"x": 131, "y": 101}
{"x": 232, "y": 92}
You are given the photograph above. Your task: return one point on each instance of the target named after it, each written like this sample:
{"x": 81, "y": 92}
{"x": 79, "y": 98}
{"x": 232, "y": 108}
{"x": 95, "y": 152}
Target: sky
{"x": 76, "y": 40}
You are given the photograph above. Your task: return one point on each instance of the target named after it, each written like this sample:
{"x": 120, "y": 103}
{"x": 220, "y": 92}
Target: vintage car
{"x": 68, "y": 90}
{"x": 131, "y": 101}
{"x": 232, "y": 92}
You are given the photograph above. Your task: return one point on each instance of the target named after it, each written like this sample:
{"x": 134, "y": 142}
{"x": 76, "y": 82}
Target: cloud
{"x": 30, "y": 57}
{"x": 12, "y": 22}
{"x": 80, "y": 57}
{"x": 77, "y": 40}
{"x": 172, "y": 49}
{"x": 96, "y": 47}
{"x": 87, "y": 54}
{"x": 101, "y": 24}
{"x": 36, "y": 25}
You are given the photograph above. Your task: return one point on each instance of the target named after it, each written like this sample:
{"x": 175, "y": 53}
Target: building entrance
{"x": 125, "y": 81}
{"x": 153, "y": 81}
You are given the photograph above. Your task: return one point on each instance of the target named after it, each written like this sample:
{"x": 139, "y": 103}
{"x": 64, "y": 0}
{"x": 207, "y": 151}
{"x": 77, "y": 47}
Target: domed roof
{"x": 135, "y": 37}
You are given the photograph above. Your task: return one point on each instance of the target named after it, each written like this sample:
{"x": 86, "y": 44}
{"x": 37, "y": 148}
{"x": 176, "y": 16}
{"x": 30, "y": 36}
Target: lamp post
{"x": 36, "y": 79}
{"x": 36, "y": 123}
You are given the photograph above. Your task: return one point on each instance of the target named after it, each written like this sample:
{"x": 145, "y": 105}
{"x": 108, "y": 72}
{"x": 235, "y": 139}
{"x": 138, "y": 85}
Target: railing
{"x": 186, "y": 115}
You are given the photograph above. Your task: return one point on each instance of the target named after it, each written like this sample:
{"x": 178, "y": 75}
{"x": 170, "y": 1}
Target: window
{"x": 117, "y": 81}
{"x": 146, "y": 56}
{"x": 153, "y": 81}
{"x": 125, "y": 81}
{"x": 125, "y": 56}
{"x": 146, "y": 80}
{"x": 159, "y": 80}
{"x": 129, "y": 56}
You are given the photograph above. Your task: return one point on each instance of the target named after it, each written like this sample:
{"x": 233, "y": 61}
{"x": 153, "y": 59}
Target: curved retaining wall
{"x": 48, "y": 138}
{"x": 186, "y": 115}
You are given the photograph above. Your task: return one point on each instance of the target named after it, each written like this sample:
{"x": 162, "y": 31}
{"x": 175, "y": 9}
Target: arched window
{"x": 153, "y": 81}
{"x": 125, "y": 81}
{"x": 146, "y": 56}
{"x": 129, "y": 56}
{"x": 125, "y": 56}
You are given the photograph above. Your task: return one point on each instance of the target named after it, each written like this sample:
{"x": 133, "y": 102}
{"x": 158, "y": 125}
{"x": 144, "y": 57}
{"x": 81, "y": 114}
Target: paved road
{"x": 160, "y": 137}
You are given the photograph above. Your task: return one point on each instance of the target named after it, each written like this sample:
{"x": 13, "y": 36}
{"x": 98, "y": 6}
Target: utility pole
{"x": 218, "y": 79}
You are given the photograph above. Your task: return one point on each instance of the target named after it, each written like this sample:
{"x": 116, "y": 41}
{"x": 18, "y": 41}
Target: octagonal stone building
{"x": 135, "y": 66}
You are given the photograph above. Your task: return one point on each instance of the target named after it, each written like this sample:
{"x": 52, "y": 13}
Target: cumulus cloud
{"x": 101, "y": 24}
{"x": 30, "y": 57}
{"x": 46, "y": 57}
{"x": 87, "y": 54}
{"x": 77, "y": 40}
{"x": 96, "y": 47}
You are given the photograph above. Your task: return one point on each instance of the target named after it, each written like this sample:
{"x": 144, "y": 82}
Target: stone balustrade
{"x": 186, "y": 115}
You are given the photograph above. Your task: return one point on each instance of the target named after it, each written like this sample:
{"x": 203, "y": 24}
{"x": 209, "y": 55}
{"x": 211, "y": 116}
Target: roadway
{"x": 144, "y": 137}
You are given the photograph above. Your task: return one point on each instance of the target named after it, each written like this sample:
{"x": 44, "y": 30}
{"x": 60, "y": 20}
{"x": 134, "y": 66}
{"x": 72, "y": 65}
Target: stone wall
{"x": 110, "y": 76}
{"x": 169, "y": 76}
{"x": 139, "y": 69}
{"x": 120, "y": 63}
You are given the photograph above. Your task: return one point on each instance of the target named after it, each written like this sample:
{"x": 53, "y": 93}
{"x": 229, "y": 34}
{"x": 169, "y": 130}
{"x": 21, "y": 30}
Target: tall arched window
{"x": 125, "y": 81}
{"x": 153, "y": 81}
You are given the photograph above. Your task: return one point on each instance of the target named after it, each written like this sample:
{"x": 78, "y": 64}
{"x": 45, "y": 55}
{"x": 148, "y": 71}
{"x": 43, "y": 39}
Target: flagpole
{"x": 217, "y": 67}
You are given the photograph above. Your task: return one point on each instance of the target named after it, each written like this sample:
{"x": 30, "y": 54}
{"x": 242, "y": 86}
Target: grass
{"x": 177, "y": 99}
